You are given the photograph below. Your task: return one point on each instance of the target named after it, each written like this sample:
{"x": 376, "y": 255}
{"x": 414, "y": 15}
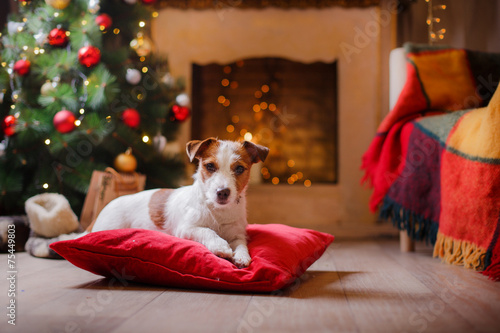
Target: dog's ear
{"x": 196, "y": 148}
{"x": 257, "y": 152}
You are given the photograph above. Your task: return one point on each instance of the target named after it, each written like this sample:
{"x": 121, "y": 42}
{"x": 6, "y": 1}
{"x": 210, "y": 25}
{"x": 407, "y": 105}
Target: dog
{"x": 211, "y": 211}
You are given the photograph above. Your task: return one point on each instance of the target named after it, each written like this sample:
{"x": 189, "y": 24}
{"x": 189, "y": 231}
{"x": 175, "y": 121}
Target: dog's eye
{"x": 210, "y": 167}
{"x": 239, "y": 170}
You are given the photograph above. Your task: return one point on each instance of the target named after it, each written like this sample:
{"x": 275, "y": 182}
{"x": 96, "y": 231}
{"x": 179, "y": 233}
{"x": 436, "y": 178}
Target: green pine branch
{"x": 102, "y": 87}
{"x": 63, "y": 97}
{"x": 55, "y": 64}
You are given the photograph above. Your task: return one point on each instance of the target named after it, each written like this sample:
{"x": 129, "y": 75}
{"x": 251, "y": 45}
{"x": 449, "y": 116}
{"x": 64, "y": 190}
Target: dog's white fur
{"x": 196, "y": 212}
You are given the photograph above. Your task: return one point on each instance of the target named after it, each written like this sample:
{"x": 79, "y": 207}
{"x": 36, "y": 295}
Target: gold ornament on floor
{"x": 126, "y": 162}
{"x": 58, "y": 4}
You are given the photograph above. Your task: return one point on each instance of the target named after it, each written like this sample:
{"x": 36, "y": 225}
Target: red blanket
{"x": 439, "y": 177}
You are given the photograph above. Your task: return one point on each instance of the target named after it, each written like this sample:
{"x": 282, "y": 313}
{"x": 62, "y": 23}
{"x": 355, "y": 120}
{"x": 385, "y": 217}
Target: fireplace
{"x": 285, "y": 105}
{"x": 329, "y": 35}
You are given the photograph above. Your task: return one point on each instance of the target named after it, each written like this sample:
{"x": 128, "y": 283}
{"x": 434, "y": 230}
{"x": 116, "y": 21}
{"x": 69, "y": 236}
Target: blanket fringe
{"x": 459, "y": 252}
{"x": 418, "y": 227}
{"x": 493, "y": 271}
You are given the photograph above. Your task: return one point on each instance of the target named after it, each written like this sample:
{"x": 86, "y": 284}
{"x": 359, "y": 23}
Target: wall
{"x": 469, "y": 24}
{"x": 352, "y": 36}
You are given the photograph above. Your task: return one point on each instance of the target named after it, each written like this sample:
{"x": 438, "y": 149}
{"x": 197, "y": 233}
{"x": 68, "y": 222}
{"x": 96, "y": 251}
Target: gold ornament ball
{"x": 47, "y": 88}
{"x": 58, "y": 4}
{"x": 142, "y": 45}
{"x": 125, "y": 162}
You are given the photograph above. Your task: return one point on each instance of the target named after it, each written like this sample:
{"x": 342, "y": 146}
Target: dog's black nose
{"x": 223, "y": 194}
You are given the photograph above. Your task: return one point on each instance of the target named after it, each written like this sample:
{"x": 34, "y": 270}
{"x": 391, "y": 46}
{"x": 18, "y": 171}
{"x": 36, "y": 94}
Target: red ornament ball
{"x": 89, "y": 56}
{"x": 22, "y": 67}
{"x": 180, "y": 113}
{"x": 104, "y": 21}
{"x": 58, "y": 37}
{"x": 64, "y": 121}
{"x": 8, "y": 125}
{"x": 131, "y": 118}
{"x": 148, "y": 2}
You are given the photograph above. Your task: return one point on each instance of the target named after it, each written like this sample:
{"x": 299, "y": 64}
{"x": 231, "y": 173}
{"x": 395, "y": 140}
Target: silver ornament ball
{"x": 133, "y": 76}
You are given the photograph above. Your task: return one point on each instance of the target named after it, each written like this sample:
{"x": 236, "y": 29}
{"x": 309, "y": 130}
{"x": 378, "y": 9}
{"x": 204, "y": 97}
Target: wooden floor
{"x": 357, "y": 286}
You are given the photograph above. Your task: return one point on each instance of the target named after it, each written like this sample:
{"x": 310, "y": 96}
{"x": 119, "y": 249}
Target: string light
{"x": 78, "y": 122}
{"x": 47, "y": 142}
{"x": 431, "y": 19}
{"x": 245, "y": 133}
{"x": 116, "y": 31}
{"x": 145, "y": 139}
{"x": 144, "y": 69}
{"x": 82, "y": 111}
{"x": 142, "y": 24}
{"x": 154, "y": 14}
{"x": 45, "y": 186}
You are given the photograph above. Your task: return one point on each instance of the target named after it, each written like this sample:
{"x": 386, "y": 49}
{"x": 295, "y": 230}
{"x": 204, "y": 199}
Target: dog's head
{"x": 224, "y": 167}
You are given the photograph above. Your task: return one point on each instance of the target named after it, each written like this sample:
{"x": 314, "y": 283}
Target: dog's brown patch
{"x": 157, "y": 206}
{"x": 245, "y": 160}
{"x": 91, "y": 225}
{"x": 208, "y": 156}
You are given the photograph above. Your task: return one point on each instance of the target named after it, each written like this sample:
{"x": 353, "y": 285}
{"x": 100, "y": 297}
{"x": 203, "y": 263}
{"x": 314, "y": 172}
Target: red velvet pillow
{"x": 279, "y": 254}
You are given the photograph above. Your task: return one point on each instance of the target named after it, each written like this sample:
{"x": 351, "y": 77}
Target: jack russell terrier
{"x": 212, "y": 211}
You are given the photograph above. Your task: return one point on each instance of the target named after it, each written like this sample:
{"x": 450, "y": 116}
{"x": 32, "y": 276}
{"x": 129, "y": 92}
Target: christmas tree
{"x": 79, "y": 85}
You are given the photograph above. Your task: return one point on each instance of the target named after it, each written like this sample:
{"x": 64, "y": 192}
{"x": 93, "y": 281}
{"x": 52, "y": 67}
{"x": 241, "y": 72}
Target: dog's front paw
{"x": 220, "y": 248}
{"x": 241, "y": 259}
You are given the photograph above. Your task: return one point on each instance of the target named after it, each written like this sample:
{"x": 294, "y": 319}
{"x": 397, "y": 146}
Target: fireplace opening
{"x": 288, "y": 106}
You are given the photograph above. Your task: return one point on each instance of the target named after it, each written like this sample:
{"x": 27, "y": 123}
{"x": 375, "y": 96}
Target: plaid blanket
{"x": 435, "y": 162}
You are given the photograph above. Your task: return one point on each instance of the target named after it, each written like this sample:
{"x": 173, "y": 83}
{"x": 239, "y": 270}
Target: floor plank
{"x": 188, "y": 311}
{"x": 356, "y": 286}
{"x": 383, "y": 296}
{"x": 479, "y": 306}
